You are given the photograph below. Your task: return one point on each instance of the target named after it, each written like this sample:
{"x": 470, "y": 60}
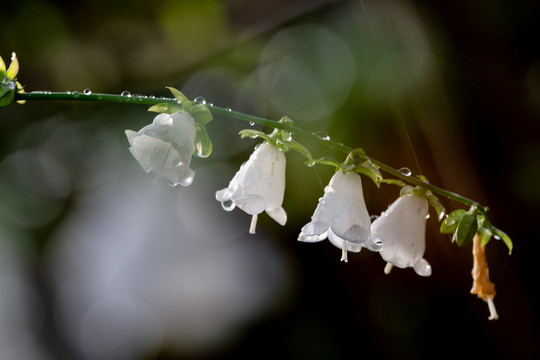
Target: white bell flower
{"x": 258, "y": 186}
{"x": 165, "y": 147}
{"x": 402, "y": 228}
{"x": 342, "y": 217}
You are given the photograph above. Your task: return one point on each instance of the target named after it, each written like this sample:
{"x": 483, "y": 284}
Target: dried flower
{"x": 482, "y": 286}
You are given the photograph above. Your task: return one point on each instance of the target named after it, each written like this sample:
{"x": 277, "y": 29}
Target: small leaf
{"x": 436, "y": 204}
{"x": 167, "y": 108}
{"x": 371, "y": 171}
{"x": 393, "y": 182}
{"x": 296, "y": 146}
{"x": 406, "y": 190}
{"x": 466, "y": 229}
{"x": 505, "y": 238}
{"x": 485, "y": 235}
{"x": 203, "y": 144}
{"x": 7, "y": 95}
{"x": 182, "y": 99}
{"x": 359, "y": 153}
{"x": 201, "y": 114}
{"x": 326, "y": 160}
{"x": 253, "y": 134}
{"x": 451, "y": 222}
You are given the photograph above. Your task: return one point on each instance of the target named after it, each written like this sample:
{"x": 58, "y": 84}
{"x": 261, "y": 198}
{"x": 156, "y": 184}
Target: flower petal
{"x": 279, "y": 215}
{"x": 251, "y": 204}
{"x": 343, "y": 243}
{"x": 402, "y": 229}
{"x": 13, "y": 69}
{"x": 314, "y": 231}
{"x": 422, "y": 267}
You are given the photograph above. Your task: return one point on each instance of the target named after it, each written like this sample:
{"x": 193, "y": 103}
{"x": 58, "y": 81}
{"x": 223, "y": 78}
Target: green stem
{"x": 145, "y": 100}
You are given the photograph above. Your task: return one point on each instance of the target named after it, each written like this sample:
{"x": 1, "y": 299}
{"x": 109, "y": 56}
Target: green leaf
{"x": 253, "y": 134}
{"x": 393, "y": 182}
{"x": 201, "y": 114}
{"x": 406, "y": 190}
{"x": 370, "y": 170}
{"x": 505, "y": 238}
{"x": 436, "y": 204}
{"x": 466, "y": 229}
{"x": 7, "y": 95}
{"x": 485, "y": 235}
{"x": 296, "y": 146}
{"x": 182, "y": 99}
{"x": 326, "y": 160}
{"x": 449, "y": 225}
{"x": 203, "y": 144}
{"x": 167, "y": 108}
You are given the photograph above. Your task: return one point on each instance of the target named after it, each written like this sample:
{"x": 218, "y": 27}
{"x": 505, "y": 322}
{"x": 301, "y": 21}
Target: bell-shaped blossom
{"x": 402, "y": 228}
{"x": 165, "y": 147}
{"x": 258, "y": 186}
{"x": 342, "y": 216}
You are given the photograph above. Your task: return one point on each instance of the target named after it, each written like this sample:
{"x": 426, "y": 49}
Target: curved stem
{"x": 146, "y": 100}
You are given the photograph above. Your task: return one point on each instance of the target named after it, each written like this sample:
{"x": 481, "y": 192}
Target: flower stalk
{"x": 151, "y": 100}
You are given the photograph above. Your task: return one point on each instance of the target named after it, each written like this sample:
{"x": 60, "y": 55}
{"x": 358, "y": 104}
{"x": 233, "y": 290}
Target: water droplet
{"x": 200, "y": 100}
{"x": 310, "y": 164}
{"x": 87, "y": 91}
{"x": 228, "y": 109}
{"x": 496, "y": 237}
{"x": 126, "y": 93}
{"x": 68, "y": 92}
{"x": 373, "y": 217}
{"x": 100, "y": 97}
{"x": 156, "y": 149}
{"x": 75, "y": 94}
{"x": 152, "y": 97}
{"x": 178, "y": 162}
{"x": 251, "y": 123}
{"x": 228, "y": 205}
{"x": 322, "y": 135}
{"x": 427, "y": 216}
{"x": 405, "y": 171}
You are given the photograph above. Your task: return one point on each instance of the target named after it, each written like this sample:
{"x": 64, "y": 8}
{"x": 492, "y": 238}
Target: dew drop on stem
{"x": 405, "y": 171}
{"x": 200, "y": 100}
{"x": 87, "y": 91}
{"x": 126, "y": 93}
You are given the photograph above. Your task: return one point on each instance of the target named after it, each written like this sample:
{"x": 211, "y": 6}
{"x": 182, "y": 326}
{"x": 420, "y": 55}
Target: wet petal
{"x": 279, "y": 215}
{"x": 314, "y": 231}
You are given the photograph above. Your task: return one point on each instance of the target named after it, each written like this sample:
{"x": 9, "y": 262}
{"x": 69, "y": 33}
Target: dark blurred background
{"x": 97, "y": 262}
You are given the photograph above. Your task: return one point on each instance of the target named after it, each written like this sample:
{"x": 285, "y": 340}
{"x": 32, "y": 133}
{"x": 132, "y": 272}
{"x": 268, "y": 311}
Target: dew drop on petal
{"x": 228, "y": 205}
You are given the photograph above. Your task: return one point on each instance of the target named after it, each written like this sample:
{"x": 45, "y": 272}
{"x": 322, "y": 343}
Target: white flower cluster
{"x": 165, "y": 148}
